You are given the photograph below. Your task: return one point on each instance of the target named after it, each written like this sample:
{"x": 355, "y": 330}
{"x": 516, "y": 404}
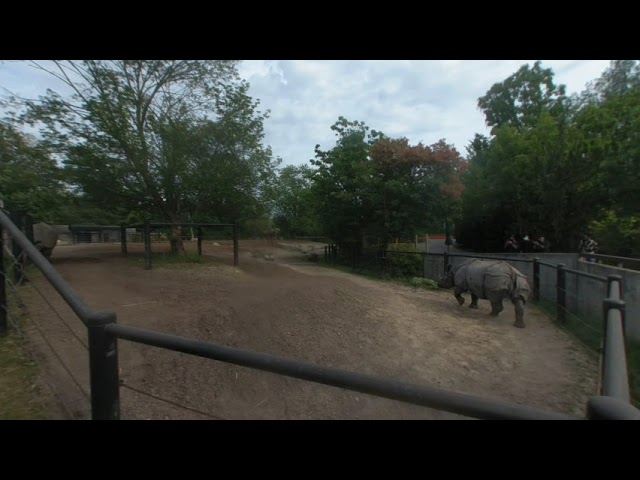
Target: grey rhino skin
{"x": 490, "y": 280}
{"x": 45, "y": 238}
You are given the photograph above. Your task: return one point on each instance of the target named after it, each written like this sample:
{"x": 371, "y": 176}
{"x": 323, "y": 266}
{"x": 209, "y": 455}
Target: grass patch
{"x": 170, "y": 260}
{"x": 588, "y": 330}
{"x": 633, "y": 365}
{"x": 418, "y": 282}
{"x": 373, "y": 272}
{"x": 20, "y": 397}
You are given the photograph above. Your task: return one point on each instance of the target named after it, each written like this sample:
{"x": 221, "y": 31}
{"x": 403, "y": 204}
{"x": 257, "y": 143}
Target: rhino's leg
{"x": 496, "y": 307}
{"x": 519, "y": 306}
{"x": 474, "y": 301}
{"x": 457, "y": 291}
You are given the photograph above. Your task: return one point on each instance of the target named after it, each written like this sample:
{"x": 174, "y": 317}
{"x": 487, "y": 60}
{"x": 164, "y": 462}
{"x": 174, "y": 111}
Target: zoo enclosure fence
{"x": 104, "y": 333}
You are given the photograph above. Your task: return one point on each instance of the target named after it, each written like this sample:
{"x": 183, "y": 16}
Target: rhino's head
{"x": 447, "y": 280}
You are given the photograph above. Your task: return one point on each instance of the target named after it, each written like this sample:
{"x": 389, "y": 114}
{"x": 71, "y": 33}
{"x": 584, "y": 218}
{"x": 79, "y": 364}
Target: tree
{"x": 343, "y": 182}
{"x": 30, "y": 179}
{"x": 519, "y": 100}
{"x": 293, "y": 211}
{"x": 154, "y": 134}
{"x": 416, "y": 187}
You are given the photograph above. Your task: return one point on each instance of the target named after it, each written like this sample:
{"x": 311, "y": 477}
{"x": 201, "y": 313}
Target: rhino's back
{"x": 45, "y": 234}
{"x": 483, "y": 277}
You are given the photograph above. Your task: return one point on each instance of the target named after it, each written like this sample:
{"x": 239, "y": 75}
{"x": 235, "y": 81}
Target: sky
{"x": 422, "y": 100}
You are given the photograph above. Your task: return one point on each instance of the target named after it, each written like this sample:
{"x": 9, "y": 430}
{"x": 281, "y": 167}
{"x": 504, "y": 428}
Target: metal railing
{"x": 105, "y": 383}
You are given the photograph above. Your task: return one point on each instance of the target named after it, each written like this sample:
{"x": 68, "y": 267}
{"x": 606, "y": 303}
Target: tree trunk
{"x": 176, "y": 240}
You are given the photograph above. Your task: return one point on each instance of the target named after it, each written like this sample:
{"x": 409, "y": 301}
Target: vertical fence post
{"x": 614, "y": 374}
{"x": 536, "y": 280}
{"x": 561, "y": 293}
{"x": 123, "y": 239}
{"x": 325, "y": 254}
{"x": 3, "y": 291}
{"x": 446, "y": 262}
{"x": 199, "y": 241}
{"x": 147, "y": 244}
{"x": 103, "y": 368}
{"x": 235, "y": 244}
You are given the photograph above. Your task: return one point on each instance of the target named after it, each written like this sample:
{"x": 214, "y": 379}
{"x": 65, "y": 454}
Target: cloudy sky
{"x": 423, "y": 100}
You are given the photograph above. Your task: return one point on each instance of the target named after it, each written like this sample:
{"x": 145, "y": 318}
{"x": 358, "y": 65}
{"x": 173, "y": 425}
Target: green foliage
{"x": 617, "y": 235}
{"x": 293, "y": 210}
{"x": 555, "y": 167}
{"x": 519, "y": 100}
{"x": 369, "y": 185}
{"x": 405, "y": 263}
{"x": 178, "y": 139}
{"x": 424, "y": 283}
{"x": 30, "y": 179}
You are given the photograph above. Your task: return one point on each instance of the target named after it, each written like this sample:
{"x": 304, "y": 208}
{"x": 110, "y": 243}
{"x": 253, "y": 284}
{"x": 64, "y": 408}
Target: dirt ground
{"x": 296, "y": 309}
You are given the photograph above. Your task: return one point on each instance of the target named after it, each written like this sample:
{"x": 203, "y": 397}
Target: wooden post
{"x": 147, "y": 244}
{"x": 235, "y": 245}
{"x": 123, "y": 239}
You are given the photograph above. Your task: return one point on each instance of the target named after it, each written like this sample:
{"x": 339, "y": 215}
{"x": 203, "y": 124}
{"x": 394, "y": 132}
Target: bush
{"x": 426, "y": 283}
{"x": 403, "y": 264}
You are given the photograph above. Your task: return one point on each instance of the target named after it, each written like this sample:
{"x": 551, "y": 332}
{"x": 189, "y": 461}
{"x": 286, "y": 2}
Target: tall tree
{"x": 126, "y": 132}
{"x": 293, "y": 209}
{"x": 416, "y": 186}
{"x": 519, "y": 100}
{"x": 343, "y": 181}
{"x": 30, "y": 179}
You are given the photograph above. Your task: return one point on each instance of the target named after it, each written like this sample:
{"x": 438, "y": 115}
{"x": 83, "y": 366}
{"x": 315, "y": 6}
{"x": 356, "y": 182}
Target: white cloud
{"x": 423, "y": 100}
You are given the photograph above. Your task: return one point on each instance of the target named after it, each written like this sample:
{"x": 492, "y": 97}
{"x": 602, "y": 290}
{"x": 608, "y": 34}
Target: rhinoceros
{"x": 490, "y": 280}
{"x": 45, "y": 238}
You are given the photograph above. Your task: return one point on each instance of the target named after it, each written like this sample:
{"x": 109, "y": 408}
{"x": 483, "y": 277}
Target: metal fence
{"x": 104, "y": 333}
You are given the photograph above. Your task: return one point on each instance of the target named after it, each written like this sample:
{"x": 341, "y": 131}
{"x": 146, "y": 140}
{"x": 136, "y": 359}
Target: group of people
{"x": 526, "y": 245}
{"x": 587, "y": 245}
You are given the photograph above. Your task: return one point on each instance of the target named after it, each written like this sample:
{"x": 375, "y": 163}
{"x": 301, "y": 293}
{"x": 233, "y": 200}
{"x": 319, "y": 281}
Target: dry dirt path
{"x": 302, "y": 311}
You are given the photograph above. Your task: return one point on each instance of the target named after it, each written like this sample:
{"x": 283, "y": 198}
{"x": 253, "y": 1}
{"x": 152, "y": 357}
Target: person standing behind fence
{"x": 541, "y": 245}
{"x": 511, "y": 245}
{"x": 588, "y": 245}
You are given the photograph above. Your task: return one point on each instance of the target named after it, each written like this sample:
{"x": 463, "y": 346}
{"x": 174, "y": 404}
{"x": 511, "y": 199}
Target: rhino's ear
{"x": 449, "y": 267}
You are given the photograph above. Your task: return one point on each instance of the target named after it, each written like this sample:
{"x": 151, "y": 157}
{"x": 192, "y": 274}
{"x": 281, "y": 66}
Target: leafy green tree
{"x": 293, "y": 209}
{"x": 157, "y": 135}
{"x": 343, "y": 183}
{"x": 416, "y": 187}
{"x": 519, "y": 100}
{"x": 30, "y": 179}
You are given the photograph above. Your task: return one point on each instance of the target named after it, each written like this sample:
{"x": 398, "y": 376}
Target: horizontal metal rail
{"x": 576, "y": 272}
{"x": 62, "y": 287}
{"x": 154, "y": 225}
{"x": 546, "y": 264}
{"x": 458, "y": 403}
{"x": 93, "y": 227}
{"x": 514, "y": 259}
{"x": 587, "y": 275}
{"x": 611, "y": 257}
